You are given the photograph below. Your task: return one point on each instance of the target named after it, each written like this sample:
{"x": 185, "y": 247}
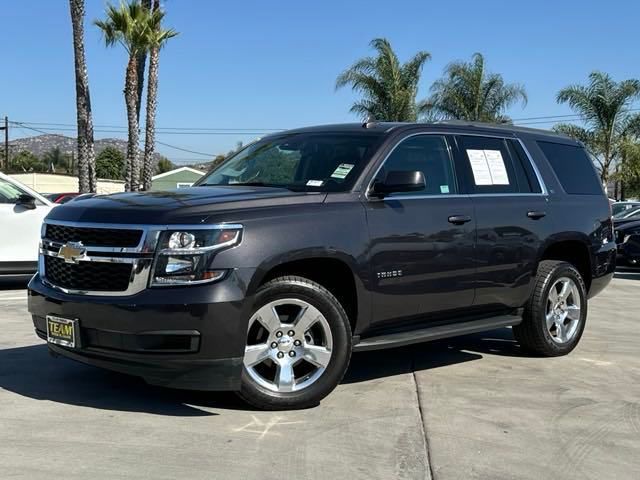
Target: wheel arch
{"x": 337, "y": 272}
{"x": 574, "y": 250}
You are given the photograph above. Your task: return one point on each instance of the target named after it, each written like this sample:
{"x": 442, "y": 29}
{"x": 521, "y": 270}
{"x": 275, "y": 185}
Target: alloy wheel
{"x": 289, "y": 345}
{"x": 563, "y": 310}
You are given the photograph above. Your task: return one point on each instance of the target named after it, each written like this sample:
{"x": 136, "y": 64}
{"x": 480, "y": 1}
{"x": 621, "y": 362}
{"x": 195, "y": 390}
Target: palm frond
{"x": 467, "y": 92}
{"x": 387, "y": 87}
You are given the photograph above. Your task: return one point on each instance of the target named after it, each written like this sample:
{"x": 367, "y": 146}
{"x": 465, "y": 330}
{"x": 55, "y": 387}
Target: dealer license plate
{"x": 62, "y": 331}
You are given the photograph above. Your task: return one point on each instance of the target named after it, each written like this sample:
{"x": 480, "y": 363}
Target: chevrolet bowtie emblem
{"x": 72, "y": 252}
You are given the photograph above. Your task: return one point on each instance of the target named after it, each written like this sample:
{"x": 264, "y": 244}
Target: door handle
{"x": 536, "y": 214}
{"x": 459, "y": 219}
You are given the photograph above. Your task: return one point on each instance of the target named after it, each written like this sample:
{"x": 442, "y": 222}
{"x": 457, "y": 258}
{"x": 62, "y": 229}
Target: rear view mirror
{"x": 399, "y": 181}
{"x": 26, "y": 201}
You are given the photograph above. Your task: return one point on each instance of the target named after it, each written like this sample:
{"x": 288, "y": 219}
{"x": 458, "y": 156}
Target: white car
{"x": 21, "y": 213}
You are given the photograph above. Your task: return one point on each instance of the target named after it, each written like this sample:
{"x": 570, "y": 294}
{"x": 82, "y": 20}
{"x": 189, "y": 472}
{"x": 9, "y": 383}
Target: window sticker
{"x": 342, "y": 171}
{"x": 478, "y": 161}
{"x": 444, "y": 188}
{"x": 496, "y": 167}
{"x": 488, "y": 167}
{"x": 314, "y": 183}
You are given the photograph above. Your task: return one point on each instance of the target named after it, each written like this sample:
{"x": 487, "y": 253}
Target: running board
{"x": 435, "y": 333}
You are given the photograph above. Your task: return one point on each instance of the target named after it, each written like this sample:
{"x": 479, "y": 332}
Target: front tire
{"x": 298, "y": 345}
{"x": 555, "y": 316}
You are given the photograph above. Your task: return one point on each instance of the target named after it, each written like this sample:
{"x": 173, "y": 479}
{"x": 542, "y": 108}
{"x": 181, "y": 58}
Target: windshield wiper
{"x": 253, "y": 184}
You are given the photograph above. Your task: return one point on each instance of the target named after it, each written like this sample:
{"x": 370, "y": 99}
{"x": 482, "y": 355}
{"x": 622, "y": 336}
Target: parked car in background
{"x": 621, "y": 207}
{"x": 61, "y": 197}
{"x": 21, "y": 213}
{"x": 628, "y": 242}
{"x": 626, "y": 216}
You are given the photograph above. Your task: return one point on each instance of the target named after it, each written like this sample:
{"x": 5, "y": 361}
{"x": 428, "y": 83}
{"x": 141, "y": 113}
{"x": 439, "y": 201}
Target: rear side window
{"x": 492, "y": 167}
{"x": 573, "y": 168}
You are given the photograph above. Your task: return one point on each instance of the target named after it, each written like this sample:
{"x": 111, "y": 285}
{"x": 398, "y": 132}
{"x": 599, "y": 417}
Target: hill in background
{"x": 41, "y": 144}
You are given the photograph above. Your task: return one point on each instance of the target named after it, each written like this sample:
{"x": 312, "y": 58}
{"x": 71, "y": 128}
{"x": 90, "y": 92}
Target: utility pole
{"x": 6, "y": 142}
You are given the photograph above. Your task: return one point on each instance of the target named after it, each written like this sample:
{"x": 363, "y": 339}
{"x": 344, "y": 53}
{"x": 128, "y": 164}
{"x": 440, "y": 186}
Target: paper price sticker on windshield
{"x": 314, "y": 183}
{"x": 342, "y": 171}
{"x": 488, "y": 167}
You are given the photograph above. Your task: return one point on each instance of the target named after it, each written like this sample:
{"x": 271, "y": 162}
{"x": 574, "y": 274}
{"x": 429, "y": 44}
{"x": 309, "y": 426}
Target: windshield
{"x": 325, "y": 162}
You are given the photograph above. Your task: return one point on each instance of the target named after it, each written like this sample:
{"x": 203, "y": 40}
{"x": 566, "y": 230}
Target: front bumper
{"x": 182, "y": 337}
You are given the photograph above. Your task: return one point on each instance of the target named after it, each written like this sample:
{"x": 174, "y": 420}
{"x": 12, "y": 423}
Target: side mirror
{"x": 26, "y": 201}
{"x": 399, "y": 181}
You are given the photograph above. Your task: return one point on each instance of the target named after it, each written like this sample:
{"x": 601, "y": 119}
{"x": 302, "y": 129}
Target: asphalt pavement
{"x": 472, "y": 407}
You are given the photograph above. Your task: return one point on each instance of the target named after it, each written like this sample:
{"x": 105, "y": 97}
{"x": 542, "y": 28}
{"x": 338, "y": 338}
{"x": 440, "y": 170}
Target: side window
{"x": 573, "y": 168}
{"x": 9, "y": 193}
{"x": 428, "y": 154}
{"x": 492, "y": 167}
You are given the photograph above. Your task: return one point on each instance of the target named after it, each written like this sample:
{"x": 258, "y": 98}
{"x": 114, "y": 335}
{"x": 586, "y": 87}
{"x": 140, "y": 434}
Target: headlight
{"x": 184, "y": 256}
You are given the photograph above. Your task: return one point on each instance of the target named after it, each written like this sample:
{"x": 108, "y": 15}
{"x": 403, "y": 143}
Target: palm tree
{"x": 142, "y": 60}
{"x": 157, "y": 38}
{"x": 603, "y": 105}
{"x": 128, "y": 25}
{"x": 468, "y": 92}
{"x": 86, "y": 154}
{"x": 388, "y": 87}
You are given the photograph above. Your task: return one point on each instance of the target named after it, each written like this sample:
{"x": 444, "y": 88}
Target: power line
{"x": 202, "y": 130}
{"x": 211, "y": 155}
{"x": 103, "y": 130}
{"x": 258, "y": 130}
{"x": 21, "y": 125}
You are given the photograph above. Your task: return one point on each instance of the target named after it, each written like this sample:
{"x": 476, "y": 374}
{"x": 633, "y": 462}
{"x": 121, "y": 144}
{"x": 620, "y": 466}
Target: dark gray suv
{"x": 310, "y": 244}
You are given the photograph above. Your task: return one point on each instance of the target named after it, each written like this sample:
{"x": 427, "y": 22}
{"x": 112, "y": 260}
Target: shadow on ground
{"x": 425, "y": 356}
{"x": 32, "y": 372}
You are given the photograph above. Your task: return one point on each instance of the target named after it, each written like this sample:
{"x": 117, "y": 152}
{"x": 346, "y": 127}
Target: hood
{"x": 183, "y": 205}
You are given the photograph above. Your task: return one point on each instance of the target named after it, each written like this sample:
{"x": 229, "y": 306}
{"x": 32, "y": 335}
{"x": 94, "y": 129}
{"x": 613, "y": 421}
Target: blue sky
{"x": 272, "y": 65}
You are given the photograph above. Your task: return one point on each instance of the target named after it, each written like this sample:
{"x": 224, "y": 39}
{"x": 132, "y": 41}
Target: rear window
{"x": 573, "y": 168}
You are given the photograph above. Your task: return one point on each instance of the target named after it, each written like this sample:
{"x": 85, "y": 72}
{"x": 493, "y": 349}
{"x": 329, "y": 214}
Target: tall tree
{"x": 142, "y": 61}
{"x": 86, "y": 154}
{"x": 468, "y": 92}
{"x": 603, "y": 105}
{"x": 128, "y": 25}
{"x": 157, "y": 38}
{"x": 110, "y": 163}
{"x": 388, "y": 88}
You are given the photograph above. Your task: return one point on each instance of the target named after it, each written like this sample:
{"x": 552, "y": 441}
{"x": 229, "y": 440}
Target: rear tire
{"x": 555, "y": 315}
{"x": 298, "y": 345}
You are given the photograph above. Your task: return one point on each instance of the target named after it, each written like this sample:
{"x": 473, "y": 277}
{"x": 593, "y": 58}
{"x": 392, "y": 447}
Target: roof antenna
{"x": 369, "y": 121}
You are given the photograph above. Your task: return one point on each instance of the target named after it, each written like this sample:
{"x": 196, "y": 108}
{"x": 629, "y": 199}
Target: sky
{"x": 259, "y": 66}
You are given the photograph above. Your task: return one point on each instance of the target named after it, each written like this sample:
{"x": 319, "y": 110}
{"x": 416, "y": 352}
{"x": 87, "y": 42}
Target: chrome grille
{"x": 92, "y": 276}
{"x": 95, "y": 237}
{"x": 115, "y": 259}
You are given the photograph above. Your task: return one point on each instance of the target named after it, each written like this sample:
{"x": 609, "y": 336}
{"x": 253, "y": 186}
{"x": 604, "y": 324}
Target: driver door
{"x": 421, "y": 243}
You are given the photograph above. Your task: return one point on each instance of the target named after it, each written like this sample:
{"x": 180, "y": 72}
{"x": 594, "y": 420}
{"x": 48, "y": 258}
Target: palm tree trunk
{"x": 152, "y": 104}
{"x": 132, "y": 175}
{"x": 150, "y": 125}
{"x": 86, "y": 155}
{"x": 142, "y": 60}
